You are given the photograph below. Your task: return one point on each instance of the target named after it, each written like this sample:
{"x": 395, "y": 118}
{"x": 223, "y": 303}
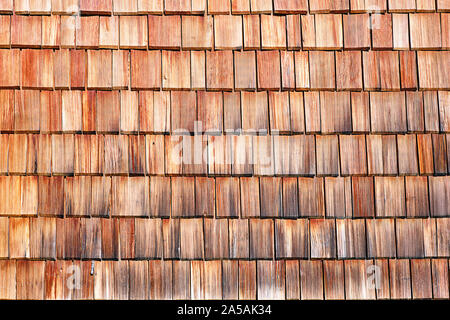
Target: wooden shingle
{"x": 255, "y": 112}
{"x": 290, "y": 197}
{"x": 439, "y": 196}
{"x": 273, "y": 32}
{"x": 261, "y": 239}
{"x": 129, "y": 196}
{"x": 381, "y": 70}
{"x": 400, "y": 279}
{"x": 357, "y": 281}
{"x": 239, "y": 238}
{"x": 183, "y": 192}
{"x": 227, "y": 197}
{"x": 109, "y": 32}
{"x": 100, "y": 69}
{"x": 251, "y": 32}
{"x": 346, "y": 79}
{"x": 291, "y": 238}
{"x": 311, "y": 280}
{"x": 382, "y": 31}
{"x": 400, "y": 34}
{"x": 191, "y": 239}
{"x": 388, "y": 111}
{"x": 329, "y": 31}
{"x": 197, "y": 32}
{"x": 294, "y": 39}
{"x": 382, "y": 154}
{"x": 20, "y": 27}
{"x": 356, "y": 31}
{"x": 363, "y": 197}
{"x": 271, "y": 280}
{"x": 87, "y": 33}
{"x": 353, "y": 154}
{"x": 407, "y": 145}
{"x": 390, "y": 197}
{"x": 333, "y": 275}
{"x": 322, "y": 70}
{"x": 268, "y": 70}
{"x": 37, "y": 68}
{"x": 338, "y": 200}
{"x": 335, "y": 112}
{"x": 216, "y": 239}
{"x": 380, "y": 238}
{"x": 154, "y": 112}
{"x": 245, "y": 70}
{"x": 432, "y": 69}
{"x": 219, "y": 70}
{"x": 227, "y": 32}
{"x": 323, "y": 240}
{"x": 351, "y": 238}
{"x": 145, "y": 69}
{"x": 247, "y": 279}
{"x": 271, "y": 197}
{"x": 311, "y": 197}
{"x": 425, "y": 31}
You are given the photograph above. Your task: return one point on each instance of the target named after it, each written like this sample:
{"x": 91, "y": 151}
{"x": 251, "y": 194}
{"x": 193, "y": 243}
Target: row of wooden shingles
{"x": 130, "y": 7}
{"x": 227, "y": 279}
{"x": 213, "y": 113}
{"x": 322, "y": 31}
{"x": 225, "y": 197}
{"x": 208, "y": 238}
{"x": 238, "y": 155}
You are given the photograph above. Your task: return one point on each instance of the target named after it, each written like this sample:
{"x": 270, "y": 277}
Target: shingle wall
{"x": 243, "y": 149}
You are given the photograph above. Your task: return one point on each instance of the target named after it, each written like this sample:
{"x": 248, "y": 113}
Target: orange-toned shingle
{"x": 218, "y": 7}
{"x": 5, "y": 31}
{"x": 77, "y": 69}
{"x": 425, "y": 30}
{"x": 251, "y": 32}
{"x": 6, "y": 6}
{"x": 101, "y": 7}
{"x": 51, "y": 196}
{"x": 198, "y": 69}
{"x": 68, "y": 27}
{"x": 240, "y": 6}
{"x": 335, "y": 112}
{"x": 353, "y": 155}
{"x": 133, "y": 32}
{"x": 177, "y": 6}
{"x": 311, "y": 201}
{"x": 433, "y": 69}
{"x": 255, "y": 112}
{"x": 50, "y": 116}
{"x": 273, "y": 32}
{"x": 71, "y": 106}
{"x": 154, "y": 154}
{"x": 245, "y": 70}
{"x": 382, "y": 31}
{"x": 312, "y": 111}
{"x": 348, "y": 70}
{"x": 164, "y": 32}
{"x": 287, "y": 70}
{"x": 37, "y": 68}
{"x": 363, "y": 197}
{"x": 77, "y": 196}
{"x": 417, "y": 204}
{"x": 219, "y": 70}
{"x": 400, "y": 33}
{"x": 228, "y": 32}
{"x": 176, "y": 69}
{"x": 322, "y": 70}
{"x": 301, "y": 70}
{"x": 62, "y": 69}
{"x": 308, "y": 31}
{"x": 382, "y": 154}
{"x": 121, "y": 69}
{"x": 100, "y": 69}
{"x": 154, "y": 112}
{"x": 356, "y": 31}
{"x": 7, "y": 110}
{"x": 116, "y": 155}
{"x": 125, "y": 7}
{"x": 20, "y": 31}
{"x": 145, "y": 69}
{"x": 329, "y": 33}
{"x": 89, "y": 154}
{"x": 408, "y": 70}
{"x": 232, "y": 111}
{"x": 444, "y": 111}
{"x": 64, "y": 6}
{"x": 17, "y": 154}
{"x": 268, "y": 70}
{"x": 261, "y": 238}
{"x": 150, "y": 6}
{"x": 109, "y": 32}
{"x": 388, "y": 111}
{"x": 402, "y": 5}
{"x": 63, "y": 154}
{"x": 439, "y": 191}
{"x": 381, "y": 70}
{"x": 297, "y": 112}
{"x": 407, "y": 145}
{"x": 108, "y": 112}
{"x": 197, "y": 32}
{"x": 129, "y": 112}
{"x": 425, "y": 153}
{"x": 280, "y": 121}
{"x": 261, "y": 6}
{"x": 210, "y": 111}
{"x": 294, "y": 38}
{"x": 390, "y": 197}
{"x": 183, "y": 111}
{"x": 50, "y": 31}
{"x": 290, "y": 6}
{"x": 445, "y": 26}
{"x": 26, "y": 111}
{"x": 87, "y": 33}
{"x": 415, "y": 111}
